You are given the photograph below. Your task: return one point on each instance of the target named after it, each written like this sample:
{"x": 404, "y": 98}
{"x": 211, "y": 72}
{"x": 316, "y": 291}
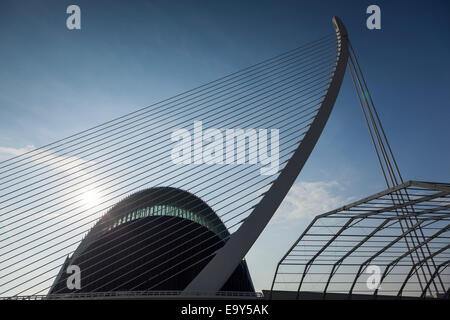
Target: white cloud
{"x": 73, "y": 180}
{"x": 16, "y": 151}
{"x": 308, "y": 199}
{"x": 69, "y": 164}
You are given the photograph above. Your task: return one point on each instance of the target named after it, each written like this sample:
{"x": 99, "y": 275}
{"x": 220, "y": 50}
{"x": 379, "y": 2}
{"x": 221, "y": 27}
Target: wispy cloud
{"x": 70, "y": 164}
{"x": 73, "y": 176}
{"x": 15, "y": 151}
{"x": 308, "y": 199}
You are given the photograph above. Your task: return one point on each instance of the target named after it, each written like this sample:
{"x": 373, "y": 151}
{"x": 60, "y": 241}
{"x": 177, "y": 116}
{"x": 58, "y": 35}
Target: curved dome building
{"x": 156, "y": 239}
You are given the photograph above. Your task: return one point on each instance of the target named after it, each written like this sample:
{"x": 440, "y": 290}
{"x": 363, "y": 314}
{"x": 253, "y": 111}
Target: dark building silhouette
{"x": 155, "y": 239}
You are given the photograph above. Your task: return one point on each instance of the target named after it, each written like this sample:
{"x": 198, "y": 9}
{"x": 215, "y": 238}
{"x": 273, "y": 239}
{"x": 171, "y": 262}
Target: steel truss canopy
{"x": 393, "y": 243}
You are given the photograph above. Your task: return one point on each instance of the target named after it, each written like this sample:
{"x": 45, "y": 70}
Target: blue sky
{"x": 129, "y": 54}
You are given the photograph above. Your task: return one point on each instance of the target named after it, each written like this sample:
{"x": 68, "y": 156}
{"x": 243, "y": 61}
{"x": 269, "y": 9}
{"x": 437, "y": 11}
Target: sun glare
{"x": 91, "y": 198}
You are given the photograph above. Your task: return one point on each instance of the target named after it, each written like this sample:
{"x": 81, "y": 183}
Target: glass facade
{"x": 167, "y": 210}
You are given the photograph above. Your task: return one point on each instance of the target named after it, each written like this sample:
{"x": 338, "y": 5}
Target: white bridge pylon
{"x": 221, "y": 266}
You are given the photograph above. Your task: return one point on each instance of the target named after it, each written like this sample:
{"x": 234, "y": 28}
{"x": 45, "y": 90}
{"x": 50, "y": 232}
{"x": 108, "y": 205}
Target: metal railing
{"x": 138, "y": 295}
